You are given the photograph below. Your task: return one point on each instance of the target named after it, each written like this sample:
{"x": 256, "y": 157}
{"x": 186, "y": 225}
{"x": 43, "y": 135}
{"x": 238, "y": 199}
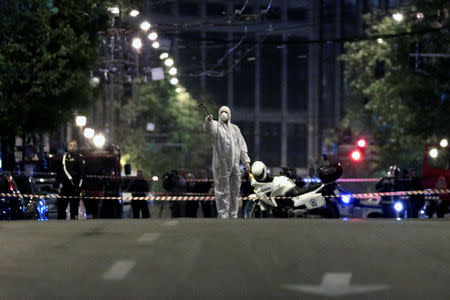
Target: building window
{"x": 297, "y": 145}
{"x": 244, "y": 82}
{"x": 274, "y": 13}
{"x": 297, "y": 14}
{"x": 189, "y": 9}
{"x": 328, "y": 11}
{"x": 164, "y": 9}
{"x": 271, "y": 144}
{"x": 215, "y": 10}
{"x": 328, "y": 86}
{"x": 297, "y": 66}
{"x": 270, "y": 77}
{"x": 216, "y": 87}
{"x": 248, "y": 132}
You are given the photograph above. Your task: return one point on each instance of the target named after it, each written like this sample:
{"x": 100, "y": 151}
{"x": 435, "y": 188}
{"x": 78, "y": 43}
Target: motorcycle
{"x": 282, "y": 197}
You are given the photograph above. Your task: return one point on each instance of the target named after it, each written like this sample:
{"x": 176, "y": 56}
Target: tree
{"x": 178, "y": 140}
{"x": 406, "y": 99}
{"x": 47, "y": 49}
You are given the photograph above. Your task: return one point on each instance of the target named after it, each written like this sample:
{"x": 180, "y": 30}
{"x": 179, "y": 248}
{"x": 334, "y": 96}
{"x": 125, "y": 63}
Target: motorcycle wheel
{"x": 331, "y": 211}
{"x": 253, "y": 210}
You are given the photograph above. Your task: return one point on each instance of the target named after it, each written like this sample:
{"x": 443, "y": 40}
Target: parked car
{"x": 34, "y": 207}
{"x": 17, "y": 207}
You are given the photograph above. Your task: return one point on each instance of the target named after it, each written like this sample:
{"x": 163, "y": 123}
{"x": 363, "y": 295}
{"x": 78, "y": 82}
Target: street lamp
{"x": 173, "y": 71}
{"x": 134, "y": 13}
{"x": 80, "y": 121}
{"x": 145, "y": 26}
{"x": 397, "y": 17}
{"x": 152, "y": 36}
{"x": 168, "y": 62}
{"x": 443, "y": 143}
{"x": 164, "y": 55}
{"x": 94, "y": 81}
{"x": 99, "y": 140}
{"x": 433, "y": 153}
{"x": 419, "y": 16}
{"x": 136, "y": 43}
{"x": 174, "y": 81}
{"x": 380, "y": 41}
{"x": 155, "y": 45}
{"x": 114, "y": 10}
{"x": 89, "y": 133}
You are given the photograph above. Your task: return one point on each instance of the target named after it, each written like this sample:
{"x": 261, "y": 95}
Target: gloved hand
{"x": 246, "y": 166}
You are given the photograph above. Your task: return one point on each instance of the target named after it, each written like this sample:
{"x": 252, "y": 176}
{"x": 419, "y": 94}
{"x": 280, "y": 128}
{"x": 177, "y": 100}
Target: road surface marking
{"x": 149, "y": 237}
{"x": 119, "y": 270}
{"x": 335, "y": 284}
{"x": 171, "y": 223}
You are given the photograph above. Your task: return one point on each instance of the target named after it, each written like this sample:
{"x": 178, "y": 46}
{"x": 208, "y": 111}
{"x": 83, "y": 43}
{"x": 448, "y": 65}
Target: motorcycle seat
{"x": 295, "y": 191}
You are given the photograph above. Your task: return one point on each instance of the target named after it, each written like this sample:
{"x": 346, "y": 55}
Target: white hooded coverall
{"x": 229, "y": 148}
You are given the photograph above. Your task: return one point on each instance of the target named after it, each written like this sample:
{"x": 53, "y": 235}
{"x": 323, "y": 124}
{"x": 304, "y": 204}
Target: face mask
{"x": 224, "y": 117}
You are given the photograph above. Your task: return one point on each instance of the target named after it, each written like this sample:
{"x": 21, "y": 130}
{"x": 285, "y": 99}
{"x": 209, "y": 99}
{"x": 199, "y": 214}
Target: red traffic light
{"x": 356, "y": 155}
{"x": 362, "y": 143}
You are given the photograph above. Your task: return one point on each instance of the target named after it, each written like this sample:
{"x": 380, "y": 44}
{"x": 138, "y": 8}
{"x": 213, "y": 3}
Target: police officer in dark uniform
{"x": 70, "y": 176}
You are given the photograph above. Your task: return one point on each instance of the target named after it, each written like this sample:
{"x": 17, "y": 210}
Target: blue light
{"x": 346, "y": 199}
{"x": 398, "y": 206}
{"x": 308, "y": 180}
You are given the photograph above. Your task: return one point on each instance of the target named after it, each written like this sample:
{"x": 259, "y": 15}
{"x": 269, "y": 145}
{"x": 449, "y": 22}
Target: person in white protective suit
{"x": 229, "y": 148}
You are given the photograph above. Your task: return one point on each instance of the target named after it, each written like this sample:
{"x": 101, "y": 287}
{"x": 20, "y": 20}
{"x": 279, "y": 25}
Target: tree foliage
{"x": 406, "y": 99}
{"x": 47, "y": 49}
{"x": 178, "y": 140}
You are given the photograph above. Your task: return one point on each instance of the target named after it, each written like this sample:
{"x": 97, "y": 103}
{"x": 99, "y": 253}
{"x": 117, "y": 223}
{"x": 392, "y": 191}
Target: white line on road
{"x": 149, "y": 237}
{"x": 171, "y": 223}
{"x": 336, "y": 284}
{"x": 119, "y": 270}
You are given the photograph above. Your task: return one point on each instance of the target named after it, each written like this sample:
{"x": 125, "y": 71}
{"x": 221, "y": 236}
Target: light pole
{"x": 80, "y": 121}
{"x": 137, "y": 45}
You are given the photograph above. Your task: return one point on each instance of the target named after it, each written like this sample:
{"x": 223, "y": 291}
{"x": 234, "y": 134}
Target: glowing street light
{"x": 89, "y": 133}
{"x": 398, "y": 17}
{"x": 152, "y": 36}
{"x": 134, "y": 13}
{"x": 94, "y": 81}
{"x": 419, "y": 16}
{"x": 433, "y": 153}
{"x": 80, "y": 121}
{"x": 99, "y": 140}
{"x": 155, "y": 178}
{"x": 443, "y": 143}
{"x": 136, "y": 43}
{"x": 114, "y": 10}
{"x": 174, "y": 81}
{"x": 164, "y": 55}
{"x": 155, "y": 45}
{"x": 173, "y": 71}
{"x": 145, "y": 25}
{"x": 169, "y": 62}
{"x": 380, "y": 41}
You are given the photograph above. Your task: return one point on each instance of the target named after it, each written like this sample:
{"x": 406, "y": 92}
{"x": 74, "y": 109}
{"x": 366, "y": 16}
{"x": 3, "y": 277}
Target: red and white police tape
{"x": 211, "y": 198}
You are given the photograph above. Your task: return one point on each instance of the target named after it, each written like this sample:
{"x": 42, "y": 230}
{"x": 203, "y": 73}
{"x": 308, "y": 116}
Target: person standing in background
{"x": 139, "y": 188}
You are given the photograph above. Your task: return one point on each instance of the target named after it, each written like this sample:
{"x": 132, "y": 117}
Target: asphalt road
{"x": 225, "y": 259}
